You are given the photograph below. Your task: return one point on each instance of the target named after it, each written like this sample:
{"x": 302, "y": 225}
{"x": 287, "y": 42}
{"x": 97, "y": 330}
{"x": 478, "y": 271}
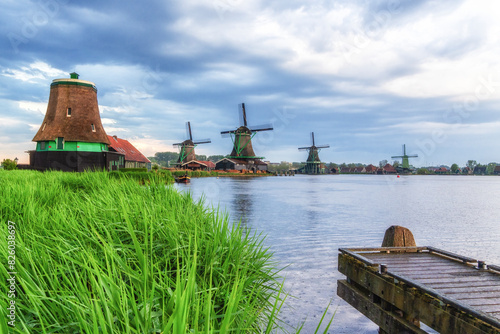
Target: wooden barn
{"x": 198, "y": 165}
{"x": 133, "y": 158}
{"x": 71, "y": 137}
{"x": 253, "y": 165}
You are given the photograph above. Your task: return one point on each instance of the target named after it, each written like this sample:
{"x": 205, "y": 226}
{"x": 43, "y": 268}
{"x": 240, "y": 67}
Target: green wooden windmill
{"x": 186, "y": 153}
{"x": 242, "y": 138}
{"x": 405, "y": 166}
{"x": 313, "y": 163}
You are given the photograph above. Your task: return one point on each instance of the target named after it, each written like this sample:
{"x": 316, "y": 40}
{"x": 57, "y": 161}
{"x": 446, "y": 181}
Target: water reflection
{"x": 241, "y": 205}
{"x": 307, "y": 218}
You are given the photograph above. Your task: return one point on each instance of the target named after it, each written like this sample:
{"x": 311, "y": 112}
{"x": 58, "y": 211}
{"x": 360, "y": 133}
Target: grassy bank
{"x": 143, "y": 176}
{"x": 97, "y": 253}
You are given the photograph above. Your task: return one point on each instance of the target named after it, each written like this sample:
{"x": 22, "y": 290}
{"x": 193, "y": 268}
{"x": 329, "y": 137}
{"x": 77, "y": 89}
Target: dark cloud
{"x": 158, "y": 64}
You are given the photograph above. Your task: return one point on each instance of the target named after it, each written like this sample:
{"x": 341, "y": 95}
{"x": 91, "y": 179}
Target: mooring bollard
{"x": 398, "y": 236}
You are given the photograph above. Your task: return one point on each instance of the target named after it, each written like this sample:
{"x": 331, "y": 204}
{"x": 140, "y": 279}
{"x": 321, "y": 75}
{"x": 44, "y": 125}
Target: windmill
{"x": 313, "y": 163}
{"x": 242, "y": 138}
{"x": 186, "y": 153}
{"x": 405, "y": 166}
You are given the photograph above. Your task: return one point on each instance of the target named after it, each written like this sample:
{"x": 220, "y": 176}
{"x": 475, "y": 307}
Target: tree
{"x": 471, "y": 164}
{"x": 9, "y": 164}
{"x": 454, "y": 168}
{"x": 215, "y": 158}
{"x": 490, "y": 169}
{"x": 382, "y": 163}
{"x": 166, "y": 158}
{"x": 422, "y": 171}
{"x": 201, "y": 157}
{"x": 395, "y": 164}
{"x": 282, "y": 167}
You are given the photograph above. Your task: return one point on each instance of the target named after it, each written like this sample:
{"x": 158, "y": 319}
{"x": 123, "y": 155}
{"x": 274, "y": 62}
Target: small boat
{"x": 183, "y": 179}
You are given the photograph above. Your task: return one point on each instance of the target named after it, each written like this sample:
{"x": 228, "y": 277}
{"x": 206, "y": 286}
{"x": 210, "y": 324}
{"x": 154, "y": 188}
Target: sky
{"x": 365, "y": 76}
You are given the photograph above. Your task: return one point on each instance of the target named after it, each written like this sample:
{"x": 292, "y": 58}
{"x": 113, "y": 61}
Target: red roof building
{"x": 198, "y": 165}
{"x": 371, "y": 169}
{"x": 133, "y": 157}
{"x": 388, "y": 169}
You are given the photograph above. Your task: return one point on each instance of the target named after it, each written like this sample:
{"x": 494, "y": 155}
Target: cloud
{"x": 34, "y": 72}
{"x": 365, "y": 76}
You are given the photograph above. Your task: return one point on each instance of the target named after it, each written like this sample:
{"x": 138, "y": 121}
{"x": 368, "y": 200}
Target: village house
{"x": 198, "y": 165}
{"x": 370, "y": 169}
{"x": 254, "y": 165}
{"x": 133, "y": 158}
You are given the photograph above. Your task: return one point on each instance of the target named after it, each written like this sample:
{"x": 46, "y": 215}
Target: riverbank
{"x": 216, "y": 173}
{"x": 101, "y": 253}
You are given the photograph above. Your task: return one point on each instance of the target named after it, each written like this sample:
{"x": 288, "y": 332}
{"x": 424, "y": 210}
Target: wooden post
{"x": 398, "y": 236}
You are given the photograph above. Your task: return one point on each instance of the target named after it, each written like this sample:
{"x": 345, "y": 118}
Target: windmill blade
{"x": 397, "y": 156}
{"x": 413, "y": 156}
{"x": 312, "y": 138}
{"x": 202, "y": 141}
{"x": 323, "y": 146}
{"x": 227, "y": 132}
{"x": 304, "y": 148}
{"x": 177, "y": 144}
{"x": 262, "y": 127}
{"x": 188, "y": 130}
{"x": 243, "y": 114}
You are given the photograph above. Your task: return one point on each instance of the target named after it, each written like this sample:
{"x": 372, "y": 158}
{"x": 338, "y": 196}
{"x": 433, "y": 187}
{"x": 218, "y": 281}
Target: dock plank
{"x": 468, "y": 289}
{"x": 472, "y": 297}
{"x": 454, "y": 281}
{"x": 493, "y": 308}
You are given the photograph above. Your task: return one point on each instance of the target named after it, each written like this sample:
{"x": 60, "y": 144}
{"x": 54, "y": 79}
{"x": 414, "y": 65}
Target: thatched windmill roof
{"x": 72, "y": 113}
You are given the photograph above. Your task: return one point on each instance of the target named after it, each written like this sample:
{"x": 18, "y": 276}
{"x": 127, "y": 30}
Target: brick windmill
{"x": 186, "y": 153}
{"x": 313, "y": 163}
{"x": 405, "y": 166}
{"x": 71, "y": 137}
{"x": 243, "y": 156}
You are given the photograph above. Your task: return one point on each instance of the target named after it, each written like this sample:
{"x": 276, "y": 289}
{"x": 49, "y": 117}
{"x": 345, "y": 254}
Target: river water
{"x": 306, "y": 218}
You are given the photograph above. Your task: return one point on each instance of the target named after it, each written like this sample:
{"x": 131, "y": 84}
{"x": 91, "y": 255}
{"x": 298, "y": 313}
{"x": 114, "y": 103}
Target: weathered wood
{"x": 446, "y": 280}
{"x": 388, "y": 321}
{"x": 398, "y": 236}
{"x": 437, "y": 253}
{"x": 416, "y": 300}
{"x": 468, "y": 289}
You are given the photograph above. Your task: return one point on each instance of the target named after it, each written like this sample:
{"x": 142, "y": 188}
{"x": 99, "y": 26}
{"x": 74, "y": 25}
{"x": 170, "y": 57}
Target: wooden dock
{"x": 399, "y": 287}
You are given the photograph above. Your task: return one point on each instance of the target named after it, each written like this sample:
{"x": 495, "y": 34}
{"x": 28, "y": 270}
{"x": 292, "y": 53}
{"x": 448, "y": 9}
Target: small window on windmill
{"x": 44, "y": 125}
{"x": 93, "y": 127}
{"x": 60, "y": 143}
{"x": 42, "y": 145}
{"x": 69, "y": 112}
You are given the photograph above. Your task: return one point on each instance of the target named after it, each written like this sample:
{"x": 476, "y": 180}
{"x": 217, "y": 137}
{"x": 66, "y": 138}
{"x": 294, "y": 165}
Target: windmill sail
{"x": 187, "y": 152}
{"x": 242, "y": 136}
{"x": 313, "y": 163}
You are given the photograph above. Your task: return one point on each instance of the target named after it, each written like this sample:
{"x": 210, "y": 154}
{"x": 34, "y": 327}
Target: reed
{"x": 100, "y": 254}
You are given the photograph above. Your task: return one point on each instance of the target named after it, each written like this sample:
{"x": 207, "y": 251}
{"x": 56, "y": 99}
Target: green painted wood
{"x": 73, "y": 146}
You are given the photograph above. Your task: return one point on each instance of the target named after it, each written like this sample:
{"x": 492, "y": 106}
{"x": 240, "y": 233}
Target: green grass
{"x": 97, "y": 253}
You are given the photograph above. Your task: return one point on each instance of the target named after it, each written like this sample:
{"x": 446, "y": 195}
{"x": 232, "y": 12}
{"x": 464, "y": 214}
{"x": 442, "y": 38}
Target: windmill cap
{"x": 73, "y": 80}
